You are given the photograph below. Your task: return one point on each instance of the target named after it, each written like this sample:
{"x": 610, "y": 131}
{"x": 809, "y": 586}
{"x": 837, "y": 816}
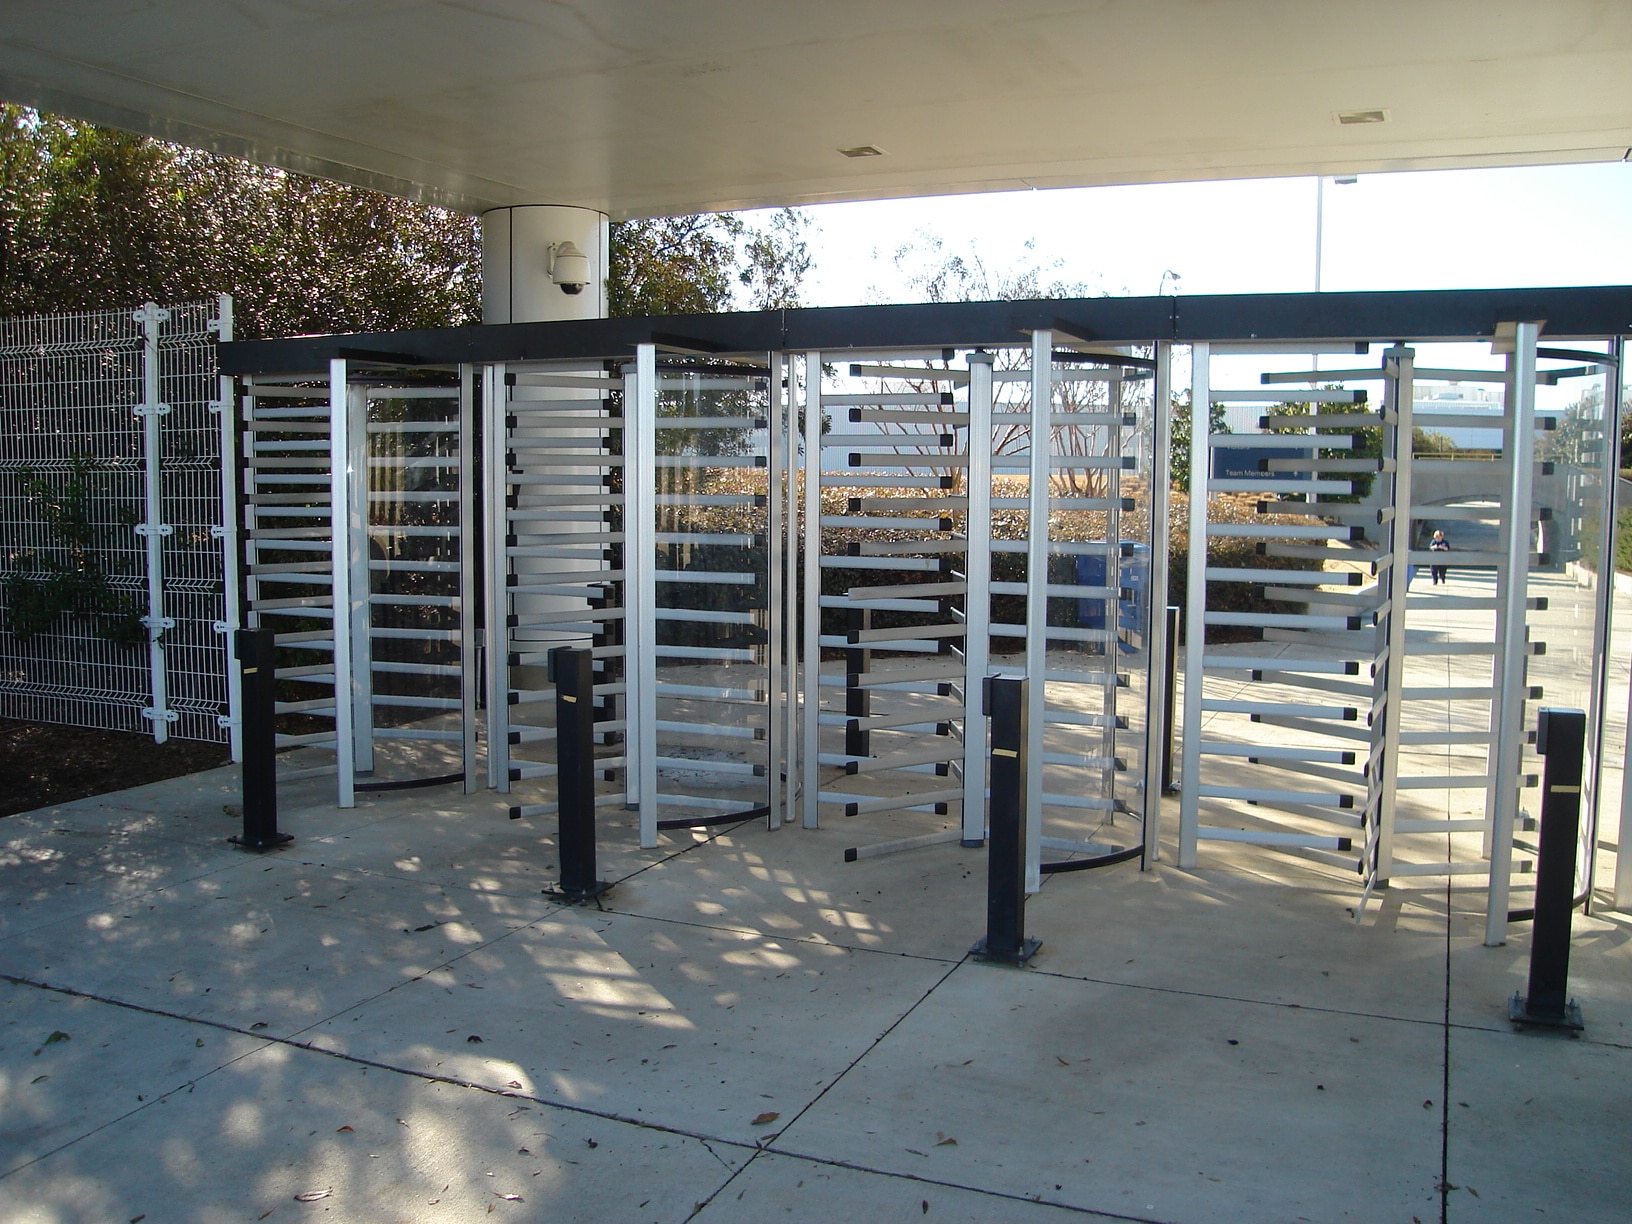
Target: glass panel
{"x": 712, "y": 520}
{"x": 560, "y": 550}
{"x": 1096, "y": 602}
{"x": 413, "y": 651}
{"x": 893, "y": 468}
{"x": 1575, "y": 463}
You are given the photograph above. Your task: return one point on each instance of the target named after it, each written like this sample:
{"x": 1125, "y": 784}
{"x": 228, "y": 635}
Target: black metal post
{"x": 255, "y": 650}
{"x": 573, "y": 671}
{"x": 1005, "y": 940}
{"x": 1167, "y": 701}
{"x": 1561, "y": 738}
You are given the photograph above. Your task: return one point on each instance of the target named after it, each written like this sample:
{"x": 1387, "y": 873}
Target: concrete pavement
{"x": 389, "y": 1022}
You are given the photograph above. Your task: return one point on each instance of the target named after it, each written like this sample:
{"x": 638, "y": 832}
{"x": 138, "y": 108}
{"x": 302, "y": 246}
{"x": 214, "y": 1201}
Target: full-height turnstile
{"x": 1401, "y": 707}
{"x": 796, "y": 569}
{"x": 631, "y": 510}
{"x": 356, "y": 521}
{"x": 969, "y": 516}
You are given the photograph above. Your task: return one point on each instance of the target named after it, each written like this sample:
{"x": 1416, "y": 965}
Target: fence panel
{"x": 75, "y": 614}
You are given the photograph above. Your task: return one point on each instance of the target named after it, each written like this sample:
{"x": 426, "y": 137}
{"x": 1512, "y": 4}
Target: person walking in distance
{"x": 1438, "y": 544}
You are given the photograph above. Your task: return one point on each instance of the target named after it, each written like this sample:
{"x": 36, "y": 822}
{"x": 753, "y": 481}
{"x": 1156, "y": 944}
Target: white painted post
{"x": 1521, "y": 365}
{"x": 496, "y": 635}
{"x": 469, "y": 671}
{"x": 227, "y": 409}
{"x": 340, "y": 571}
{"x": 813, "y": 588}
{"x": 977, "y": 604}
{"x": 776, "y": 412}
{"x": 1400, "y": 396}
{"x": 153, "y": 528}
{"x": 1161, "y": 479}
{"x": 361, "y": 618}
{"x": 792, "y": 598}
{"x": 640, "y": 503}
{"x": 1037, "y": 502}
{"x": 1195, "y": 612}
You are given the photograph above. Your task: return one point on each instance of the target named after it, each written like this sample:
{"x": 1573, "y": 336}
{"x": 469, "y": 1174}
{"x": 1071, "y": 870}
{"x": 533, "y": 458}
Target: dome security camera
{"x": 569, "y": 267}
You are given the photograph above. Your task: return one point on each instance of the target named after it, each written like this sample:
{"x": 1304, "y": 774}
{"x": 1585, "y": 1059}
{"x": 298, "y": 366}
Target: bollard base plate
{"x": 579, "y": 896}
{"x": 1518, "y": 1011}
{"x": 260, "y": 844}
{"x": 1014, "y": 956}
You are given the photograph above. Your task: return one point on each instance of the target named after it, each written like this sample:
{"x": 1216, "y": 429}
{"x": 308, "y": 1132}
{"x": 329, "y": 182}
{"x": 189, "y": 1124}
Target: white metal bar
{"x": 776, "y": 409}
{"x": 640, "y": 438}
{"x": 1399, "y": 395}
{"x": 153, "y": 528}
{"x": 361, "y": 617}
{"x": 496, "y": 633}
{"x": 231, "y": 527}
{"x": 1603, "y": 620}
{"x": 1157, "y": 731}
{"x": 977, "y": 602}
{"x": 469, "y": 672}
{"x": 811, "y": 654}
{"x": 1196, "y": 606}
{"x": 790, "y": 592}
{"x": 341, "y": 570}
{"x": 1042, "y": 408}
{"x": 1521, "y": 365}
{"x": 1623, "y": 854}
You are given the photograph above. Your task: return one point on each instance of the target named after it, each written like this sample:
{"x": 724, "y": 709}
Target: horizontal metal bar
{"x": 1267, "y": 484}
{"x": 1282, "y": 620}
{"x": 706, "y": 577}
{"x": 1278, "y": 664}
{"x": 706, "y": 692}
{"x": 1259, "y": 794}
{"x": 861, "y": 805}
{"x": 1291, "y": 709}
{"x": 1264, "y": 838}
{"x": 1258, "y": 395}
{"x": 1272, "y": 752}
{"x": 708, "y": 730}
{"x": 1326, "y": 420}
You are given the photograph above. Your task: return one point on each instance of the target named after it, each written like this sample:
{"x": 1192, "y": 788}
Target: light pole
{"x": 1346, "y": 180}
{"x": 1320, "y": 235}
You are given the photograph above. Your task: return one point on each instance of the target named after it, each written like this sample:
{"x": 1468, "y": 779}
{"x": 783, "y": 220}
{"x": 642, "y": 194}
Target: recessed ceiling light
{"x": 863, "y": 151}
{"x": 1362, "y": 116}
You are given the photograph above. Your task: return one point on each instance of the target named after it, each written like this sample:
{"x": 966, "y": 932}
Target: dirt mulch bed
{"x": 41, "y": 764}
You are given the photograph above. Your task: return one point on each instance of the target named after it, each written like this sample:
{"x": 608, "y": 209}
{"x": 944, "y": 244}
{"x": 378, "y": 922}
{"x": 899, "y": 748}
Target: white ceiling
{"x": 647, "y": 107}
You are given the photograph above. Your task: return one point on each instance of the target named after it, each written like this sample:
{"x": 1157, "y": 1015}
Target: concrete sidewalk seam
{"x": 430, "y": 1077}
{"x": 767, "y": 1144}
{"x": 1090, "y": 1212}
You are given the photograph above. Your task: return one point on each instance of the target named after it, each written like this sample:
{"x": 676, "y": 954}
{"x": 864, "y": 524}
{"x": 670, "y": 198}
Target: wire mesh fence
{"x": 75, "y": 613}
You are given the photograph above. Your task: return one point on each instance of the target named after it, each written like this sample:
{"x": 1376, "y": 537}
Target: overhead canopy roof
{"x": 649, "y": 107}
{"x": 1458, "y": 314}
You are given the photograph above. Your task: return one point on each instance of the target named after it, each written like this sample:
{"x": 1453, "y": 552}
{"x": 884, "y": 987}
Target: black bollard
{"x": 1005, "y": 941}
{"x": 1167, "y": 701}
{"x": 255, "y": 650}
{"x": 1561, "y": 738}
{"x": 573, "y": 671}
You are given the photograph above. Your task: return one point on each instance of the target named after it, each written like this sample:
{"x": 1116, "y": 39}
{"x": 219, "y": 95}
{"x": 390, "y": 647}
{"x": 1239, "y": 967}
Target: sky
{"x": 1445, "y": 229}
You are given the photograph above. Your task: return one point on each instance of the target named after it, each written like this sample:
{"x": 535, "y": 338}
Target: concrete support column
{"x": 519, "y": 246}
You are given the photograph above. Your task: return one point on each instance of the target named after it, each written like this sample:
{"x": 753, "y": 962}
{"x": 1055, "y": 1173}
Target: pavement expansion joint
{"x": 432, "y": 1077}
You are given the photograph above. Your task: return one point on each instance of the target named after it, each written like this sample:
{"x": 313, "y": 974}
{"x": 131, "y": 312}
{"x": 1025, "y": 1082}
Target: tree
{"x": 697, "y": 264}
{"x": 1179, "y": 437}
{"x": 91, "y": 217}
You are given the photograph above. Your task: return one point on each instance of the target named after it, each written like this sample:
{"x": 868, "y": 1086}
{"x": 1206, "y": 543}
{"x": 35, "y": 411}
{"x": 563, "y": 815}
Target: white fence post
{"x": 153, "y": 528}
{"x": 226, "y": 408}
